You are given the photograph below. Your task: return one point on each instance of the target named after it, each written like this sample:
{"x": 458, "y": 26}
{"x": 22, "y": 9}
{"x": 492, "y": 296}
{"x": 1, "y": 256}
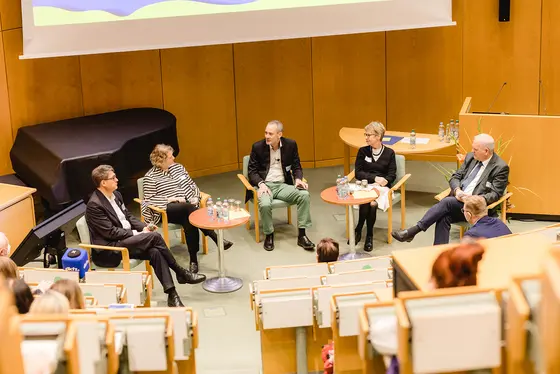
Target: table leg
{"x": 222, "y": 283}
{"x": 352, "y": 255}
{"x": 346, "y": 159}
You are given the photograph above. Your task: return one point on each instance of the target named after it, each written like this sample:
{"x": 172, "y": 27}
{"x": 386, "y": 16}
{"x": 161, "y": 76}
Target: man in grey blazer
{"x": 483, "y": 173}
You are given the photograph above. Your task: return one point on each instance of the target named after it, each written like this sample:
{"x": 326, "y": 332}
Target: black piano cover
{"x": 57, "y": 158}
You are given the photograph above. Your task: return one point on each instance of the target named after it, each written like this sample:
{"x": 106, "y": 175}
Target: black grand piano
{"x": 57, "y": 158}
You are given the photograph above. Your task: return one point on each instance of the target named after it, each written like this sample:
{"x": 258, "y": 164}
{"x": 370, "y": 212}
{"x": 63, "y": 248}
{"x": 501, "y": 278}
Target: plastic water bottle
{"x": 210, "y": 208}
{"x": 338, "y": 189}
{"x": 218, "y": 208}
{"x": 441, "y": 132}
{"x": 344, "y": 187}
{"x": 413, "y": 139}
{"x": 452, "y": 129}
{"x": 447, "y": 135}
{"x": 225, "y": 210}
{"x": 457, "y": 129}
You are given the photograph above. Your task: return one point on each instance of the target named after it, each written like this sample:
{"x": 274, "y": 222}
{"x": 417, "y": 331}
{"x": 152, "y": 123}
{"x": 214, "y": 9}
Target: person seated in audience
{"x": 327, "y": 250}
{"x": 376, "y": 164}
{"x": 8, "y": 268}
{"x": 22, "y": 294}
{"x": 51, "y": 302}
{"x": 167, "y": 185}
{"x": 4, "y": 245}
{"x": 455, "y": 267}
{"x": 275, "y": 168}
{"x": 483, "y": 173}
{"x": 111, "y": 224}
{"x": 72, "y": 291}
{"x": 483, "y": 226}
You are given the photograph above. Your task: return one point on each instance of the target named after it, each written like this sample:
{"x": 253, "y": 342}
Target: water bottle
{"x": 441, "y": 132}
{"x": 447, "y": 135}
{"x": 338, "y": 189}
{"x": 452, "y": 129}
{"x": 413, "y": 139}
{"x": 218, "y": 208}
{"x": 345, "y": 187}
{"x": 210, "y": 208}
{"x": 457, "y": 129}
{"x": 225, "y": 210}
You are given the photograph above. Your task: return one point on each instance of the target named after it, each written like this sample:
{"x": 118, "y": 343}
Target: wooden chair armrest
{"x": 351, "y": 175}
{"x": 443, "y": 194}
{"x": 246, "y": 182}
{"x": 203, "y": 199}
{"x": 124, "y": 252}
{"x": 155, "y": 208}
{"x": 401, "y": 182}
{"x": 502, "y": 199}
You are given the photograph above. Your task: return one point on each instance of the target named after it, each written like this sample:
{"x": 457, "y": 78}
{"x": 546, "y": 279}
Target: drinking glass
{"x": 237, "y": 205}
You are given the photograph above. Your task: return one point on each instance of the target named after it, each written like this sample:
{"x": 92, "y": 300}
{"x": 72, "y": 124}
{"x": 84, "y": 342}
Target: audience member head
{"x": 327, "y": 250}
{"x": 475, "y": 208}
{"x": 458, "y": 266}
{"x": 71, "y": 289}
{"x": 105, "y": 179}
{"x": 483, "y": 147}
{"x": 162, "y": 156}
{"x": 51, "y": 302}
{"x": 22, "y": 294}
{"x": 273, "y": 133}
{"x": 4, "y": 245}
{"x": 8, "y": 268}
{"x": 374, "y": 133}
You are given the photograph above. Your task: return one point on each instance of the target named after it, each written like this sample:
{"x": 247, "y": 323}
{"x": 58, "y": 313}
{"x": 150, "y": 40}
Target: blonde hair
{"x": 377, "y": 128}
{"x": 71, "y": 289}
{"x": 476, "y": 205}
{"x": 8, "y": 268}
{"x": 159, "y": 154}
{"x": 51, "y": 302}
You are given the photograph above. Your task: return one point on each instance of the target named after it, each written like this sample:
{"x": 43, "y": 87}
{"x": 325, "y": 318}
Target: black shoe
{"x": 194, "y": 268}
{"x": 185, "y": 276}
{"x": 173, "y": 300}
{"x": 368, "y": 246}
{"x": 357, "y": 237}
{"x": 305, "y": 243}
{"x": 227, "y": 245}
{"x": 269, "y": 242}
{"x": 402, "y": 235}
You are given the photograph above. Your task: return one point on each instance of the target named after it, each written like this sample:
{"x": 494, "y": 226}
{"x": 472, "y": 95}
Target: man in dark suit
{"x": 483, "y": 173}
{"x": 482, "y": 226}
{"x": 275, "y": 168}
{"x": 111, "y": 224}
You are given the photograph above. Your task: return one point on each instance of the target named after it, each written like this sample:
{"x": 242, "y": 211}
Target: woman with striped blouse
{"x": 167, "y": 185}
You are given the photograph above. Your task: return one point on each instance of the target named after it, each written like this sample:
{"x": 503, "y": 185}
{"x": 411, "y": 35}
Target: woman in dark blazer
{"x": 377, "y": 164}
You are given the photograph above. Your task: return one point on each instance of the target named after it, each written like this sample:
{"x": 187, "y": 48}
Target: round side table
{"x": 329, "y": 195}
{"x": 222, "y": 283}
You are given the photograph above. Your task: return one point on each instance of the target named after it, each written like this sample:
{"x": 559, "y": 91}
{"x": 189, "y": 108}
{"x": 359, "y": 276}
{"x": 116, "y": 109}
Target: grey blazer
{"x": 492, "y": 183}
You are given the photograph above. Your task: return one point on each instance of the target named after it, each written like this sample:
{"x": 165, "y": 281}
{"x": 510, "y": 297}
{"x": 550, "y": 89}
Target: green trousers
{"x": 289, "y": 194}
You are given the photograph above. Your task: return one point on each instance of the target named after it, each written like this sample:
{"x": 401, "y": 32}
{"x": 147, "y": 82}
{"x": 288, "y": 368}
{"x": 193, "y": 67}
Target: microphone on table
{"x": 496, "y": 98}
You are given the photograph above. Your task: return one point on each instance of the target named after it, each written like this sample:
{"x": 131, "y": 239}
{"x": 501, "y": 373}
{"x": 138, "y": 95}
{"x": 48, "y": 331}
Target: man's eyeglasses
{"x": 114, "y": 177}
{"x": 463, "y": 210}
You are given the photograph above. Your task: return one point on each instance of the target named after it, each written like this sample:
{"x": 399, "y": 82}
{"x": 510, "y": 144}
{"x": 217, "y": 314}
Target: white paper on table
{"x": 406, "y": 140}
{"x": 240, "y": 214}
{"x": 364, "y": 194}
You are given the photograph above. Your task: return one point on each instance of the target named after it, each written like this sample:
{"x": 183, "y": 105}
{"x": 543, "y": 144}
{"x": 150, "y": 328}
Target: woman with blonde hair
{"x": 72, "y": 291}
{"x": 167, "y": 185}
{"x": 8, "y": 268}
{"x": 51, "y": 302}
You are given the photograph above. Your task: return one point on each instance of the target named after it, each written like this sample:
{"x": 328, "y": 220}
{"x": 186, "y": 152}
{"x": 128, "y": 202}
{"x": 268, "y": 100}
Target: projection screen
{"x": 76, "y": 27}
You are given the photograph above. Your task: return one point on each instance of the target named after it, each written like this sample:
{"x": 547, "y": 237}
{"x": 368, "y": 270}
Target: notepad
{"x": 390, "y": 140}
{"x": 418, "y": 140}
{"x": 365, "y": 194}
{"x": 239, "y": 214}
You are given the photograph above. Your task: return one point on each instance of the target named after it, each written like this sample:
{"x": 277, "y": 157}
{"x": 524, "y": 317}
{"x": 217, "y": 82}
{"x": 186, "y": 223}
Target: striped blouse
{"x": 160, "y": 185}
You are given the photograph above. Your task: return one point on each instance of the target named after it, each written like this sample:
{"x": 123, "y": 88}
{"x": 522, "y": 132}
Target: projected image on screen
{"x": 64, "y": 12}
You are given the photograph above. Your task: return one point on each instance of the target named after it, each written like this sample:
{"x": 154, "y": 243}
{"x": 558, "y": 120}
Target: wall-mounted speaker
{"x": 504, "y": 10}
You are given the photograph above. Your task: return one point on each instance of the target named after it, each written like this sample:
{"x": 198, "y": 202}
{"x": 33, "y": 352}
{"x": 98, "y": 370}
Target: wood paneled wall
{"x": 224, "y": 95}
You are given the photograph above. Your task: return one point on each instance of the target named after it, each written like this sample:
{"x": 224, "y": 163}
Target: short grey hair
{"x": 278, "y": 124}
{"x": 4, "y": 245}
{"x": 476, "y": 204}
{"x": 486, "y": 140}
{"x": 377, "y": 128}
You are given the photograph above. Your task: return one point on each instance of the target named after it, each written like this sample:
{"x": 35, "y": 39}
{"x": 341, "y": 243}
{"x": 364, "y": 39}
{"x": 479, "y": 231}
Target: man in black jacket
{"x": 275, "y": 168}
{"x": 483, "y": 173}
{"x": 111, "y": 224}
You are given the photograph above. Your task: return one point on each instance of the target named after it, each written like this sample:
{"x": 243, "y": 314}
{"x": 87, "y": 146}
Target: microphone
{"x": 543, "y": 96}
{"x": 496, "y": 98}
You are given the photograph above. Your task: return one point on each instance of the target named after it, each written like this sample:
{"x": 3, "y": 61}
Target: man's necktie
{"x": 471, "y": 176}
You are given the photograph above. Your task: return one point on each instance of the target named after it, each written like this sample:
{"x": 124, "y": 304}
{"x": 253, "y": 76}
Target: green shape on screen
{"x": 367, "y": 267}
{"x": 56, "y": 279}
{"x": 88, "y": 294}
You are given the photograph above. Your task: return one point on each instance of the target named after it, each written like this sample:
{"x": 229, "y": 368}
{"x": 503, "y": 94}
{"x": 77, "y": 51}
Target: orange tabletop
{"x": 200, "y": 218}
{"x": 329, "y": 195}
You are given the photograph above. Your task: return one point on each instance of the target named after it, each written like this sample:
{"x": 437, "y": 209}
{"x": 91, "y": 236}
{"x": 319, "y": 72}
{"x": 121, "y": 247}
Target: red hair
{"x": 457, "y": 266}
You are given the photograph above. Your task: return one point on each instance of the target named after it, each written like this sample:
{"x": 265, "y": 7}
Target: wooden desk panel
{"x": 17, "y": 212}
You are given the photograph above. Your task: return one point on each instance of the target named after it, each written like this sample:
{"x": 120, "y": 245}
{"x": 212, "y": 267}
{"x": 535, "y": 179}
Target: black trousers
{"x": 179, "y": 213}
{"x": 368, "y": 214}
{"x": 151, "y": 246}
{"x": 443, "y": 214}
